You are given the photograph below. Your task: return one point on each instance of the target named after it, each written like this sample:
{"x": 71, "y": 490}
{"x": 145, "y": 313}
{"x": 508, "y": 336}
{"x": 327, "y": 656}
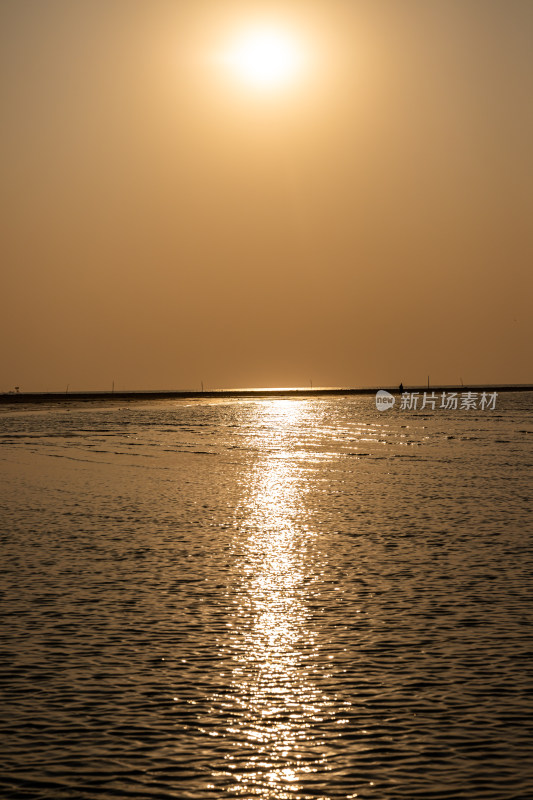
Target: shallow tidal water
{"x": 266, "y": 598}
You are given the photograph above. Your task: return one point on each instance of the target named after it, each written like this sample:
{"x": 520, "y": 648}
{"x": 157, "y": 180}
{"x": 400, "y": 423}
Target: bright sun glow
{"x": 264, "y": 58}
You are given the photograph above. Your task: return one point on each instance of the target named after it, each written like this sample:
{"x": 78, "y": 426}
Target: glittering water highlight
{"x": 279, "y": 599}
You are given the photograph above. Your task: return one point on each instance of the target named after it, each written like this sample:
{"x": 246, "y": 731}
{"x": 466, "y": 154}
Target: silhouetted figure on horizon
{"x": 400, "y": 387}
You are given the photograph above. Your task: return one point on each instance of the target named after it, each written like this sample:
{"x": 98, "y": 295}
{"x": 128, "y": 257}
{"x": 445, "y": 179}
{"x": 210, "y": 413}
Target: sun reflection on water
{"x": 274, "y": 734}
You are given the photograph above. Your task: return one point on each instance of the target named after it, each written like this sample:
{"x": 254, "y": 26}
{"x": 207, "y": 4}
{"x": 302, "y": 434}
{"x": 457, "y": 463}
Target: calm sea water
{"x": 278, "y": 599}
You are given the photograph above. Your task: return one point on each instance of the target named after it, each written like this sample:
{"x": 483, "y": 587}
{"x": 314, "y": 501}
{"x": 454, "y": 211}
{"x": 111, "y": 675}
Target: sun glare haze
{"x": 264, "y": 57}
{"x": 236, "y": 194}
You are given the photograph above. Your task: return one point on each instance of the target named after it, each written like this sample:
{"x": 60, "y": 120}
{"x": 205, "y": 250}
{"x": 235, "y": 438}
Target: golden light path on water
{"x": 270, "y": 639}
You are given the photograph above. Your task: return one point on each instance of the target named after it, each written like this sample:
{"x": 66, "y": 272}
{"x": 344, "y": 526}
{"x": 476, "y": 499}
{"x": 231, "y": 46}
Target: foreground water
{"x": 279, "y": 599}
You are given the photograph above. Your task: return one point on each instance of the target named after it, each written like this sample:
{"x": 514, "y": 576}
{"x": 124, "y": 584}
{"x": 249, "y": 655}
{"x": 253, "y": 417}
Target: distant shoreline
{"x": 8, "y": 398}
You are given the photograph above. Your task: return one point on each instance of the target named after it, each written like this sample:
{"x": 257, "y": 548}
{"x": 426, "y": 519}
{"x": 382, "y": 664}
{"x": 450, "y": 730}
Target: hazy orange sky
{"x": 164, "y": 223}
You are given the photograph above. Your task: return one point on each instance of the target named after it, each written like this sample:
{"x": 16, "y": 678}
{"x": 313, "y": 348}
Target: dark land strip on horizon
{"x": 61, "y": 397}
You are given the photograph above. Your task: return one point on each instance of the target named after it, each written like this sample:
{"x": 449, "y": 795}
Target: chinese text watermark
{"x": 448, "y": 401}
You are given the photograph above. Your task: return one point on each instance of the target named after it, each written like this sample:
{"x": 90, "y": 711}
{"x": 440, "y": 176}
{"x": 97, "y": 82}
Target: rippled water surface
{"x": 278, "y": 599}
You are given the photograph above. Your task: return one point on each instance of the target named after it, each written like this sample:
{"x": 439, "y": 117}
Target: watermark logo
{"x": 384, "y": 400}
{"x": 448, "y": 401}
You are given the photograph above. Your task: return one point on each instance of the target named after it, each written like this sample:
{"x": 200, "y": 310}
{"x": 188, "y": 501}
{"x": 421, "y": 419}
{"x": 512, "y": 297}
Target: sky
{"x": 167, "y": 221}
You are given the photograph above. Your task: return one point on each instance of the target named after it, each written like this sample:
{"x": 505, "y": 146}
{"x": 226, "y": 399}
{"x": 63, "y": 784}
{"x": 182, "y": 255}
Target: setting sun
{"x": 264, "y": 57}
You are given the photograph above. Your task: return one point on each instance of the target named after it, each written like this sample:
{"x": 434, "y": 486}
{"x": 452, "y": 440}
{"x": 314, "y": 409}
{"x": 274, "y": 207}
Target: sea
{"x": 266, "y": 598}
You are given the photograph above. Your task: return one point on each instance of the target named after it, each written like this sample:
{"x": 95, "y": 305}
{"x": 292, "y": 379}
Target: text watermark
{"x": 448, "y": 401}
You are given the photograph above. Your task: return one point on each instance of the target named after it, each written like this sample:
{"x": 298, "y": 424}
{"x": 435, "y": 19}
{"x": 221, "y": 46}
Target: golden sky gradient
{"x": 165, "y": 220}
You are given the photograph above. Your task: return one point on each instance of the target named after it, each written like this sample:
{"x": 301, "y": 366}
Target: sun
{"x": 264, "y": 57}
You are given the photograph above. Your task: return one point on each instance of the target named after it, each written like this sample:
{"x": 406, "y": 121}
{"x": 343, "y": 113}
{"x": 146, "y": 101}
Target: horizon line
{"x": 303, "y": 391}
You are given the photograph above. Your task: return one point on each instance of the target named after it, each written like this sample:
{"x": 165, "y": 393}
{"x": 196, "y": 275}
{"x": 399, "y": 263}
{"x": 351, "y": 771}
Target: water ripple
{"x": 311, "y": 612}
